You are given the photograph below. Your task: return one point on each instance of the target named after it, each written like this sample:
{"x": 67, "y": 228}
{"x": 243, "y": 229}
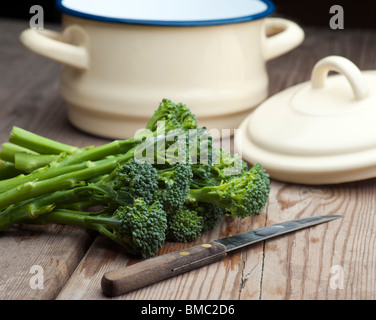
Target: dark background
{"x": 357, "y": 14}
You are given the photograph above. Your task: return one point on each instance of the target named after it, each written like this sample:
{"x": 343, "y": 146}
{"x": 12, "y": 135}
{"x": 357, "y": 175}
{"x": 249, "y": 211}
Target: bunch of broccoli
{"x": 166, "y": 183}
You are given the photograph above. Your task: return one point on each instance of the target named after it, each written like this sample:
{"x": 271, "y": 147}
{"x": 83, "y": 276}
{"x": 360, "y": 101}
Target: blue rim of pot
{"x": 80, "y": 14}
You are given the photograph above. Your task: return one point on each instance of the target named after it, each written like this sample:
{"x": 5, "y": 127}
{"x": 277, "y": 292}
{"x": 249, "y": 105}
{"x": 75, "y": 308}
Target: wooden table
{"x": 330, "y": 261}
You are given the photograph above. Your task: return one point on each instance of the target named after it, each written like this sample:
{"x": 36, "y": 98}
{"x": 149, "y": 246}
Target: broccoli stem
{"x": 206, "y": 194}
{"x": 42, "y": 145}
{"x": 27, "y": 162}
{"x": 63, "y": 167}
{"x": 8, "y": 184}
{"x": 100, "y": 223}
{"x": 11, "y": 217}
{"x": 32, "y": 189}
{"x": 100, "y": 152}
{"x": 89, "y": 220}
{"x": 38, "y": 143}
{"x": 9, "y": 150}
{"x": 8, "y": 170}
{"x": 33, "y": 208}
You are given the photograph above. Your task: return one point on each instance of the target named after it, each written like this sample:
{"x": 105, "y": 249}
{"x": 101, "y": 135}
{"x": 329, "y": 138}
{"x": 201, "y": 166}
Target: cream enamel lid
{"x": 318, "y": 132}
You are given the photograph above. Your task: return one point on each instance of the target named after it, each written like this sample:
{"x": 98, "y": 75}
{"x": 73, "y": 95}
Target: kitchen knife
{"x": 149, "y": 271}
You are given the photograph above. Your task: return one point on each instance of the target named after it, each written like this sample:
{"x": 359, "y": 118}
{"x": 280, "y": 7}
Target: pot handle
{"x": 68, "y": 47}
{"x": 343, "y": 66}
{"x": 282, "y": 36}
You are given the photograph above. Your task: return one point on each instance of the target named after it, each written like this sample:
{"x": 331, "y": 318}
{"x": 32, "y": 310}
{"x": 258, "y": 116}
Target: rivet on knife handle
{"x": 153, "y": 270}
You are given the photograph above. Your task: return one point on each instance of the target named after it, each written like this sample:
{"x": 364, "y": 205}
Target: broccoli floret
{"x": 210, "y": 213}
{"x": 141, "y": 228}
{"x": 184, "y": 225}
{"x": 139, "y": 180}
{"x": 173, "y": 186}
{"x": 124, "y": 184}
{"x": 175, "y": 116}
{"x": 224, "y": 167}
{"x": 167, "y": 135}
{"x": 185, "y": 117}
{"x": 242, "y": 196}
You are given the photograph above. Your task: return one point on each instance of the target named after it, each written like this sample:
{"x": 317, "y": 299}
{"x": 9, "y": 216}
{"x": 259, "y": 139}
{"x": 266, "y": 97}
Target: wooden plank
{"x": 330, "y": 261}
{"x": 37, "y": 261}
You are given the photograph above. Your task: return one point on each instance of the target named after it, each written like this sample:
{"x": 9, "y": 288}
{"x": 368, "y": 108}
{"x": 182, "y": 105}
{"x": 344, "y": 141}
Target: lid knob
{"x": 344, "y": 66}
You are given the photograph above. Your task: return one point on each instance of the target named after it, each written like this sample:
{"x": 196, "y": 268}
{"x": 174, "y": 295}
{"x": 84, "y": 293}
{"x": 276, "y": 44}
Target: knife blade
{"x": 153, "y": 270}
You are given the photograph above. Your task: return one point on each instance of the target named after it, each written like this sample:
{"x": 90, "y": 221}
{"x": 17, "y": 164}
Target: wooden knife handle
{"x": 149, "y": 271}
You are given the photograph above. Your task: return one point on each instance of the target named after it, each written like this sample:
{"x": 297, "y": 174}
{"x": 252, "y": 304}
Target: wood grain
{"x": 330, "y": 261}
{"x": 36, "y": 261}
{"x": 308, "y": 260}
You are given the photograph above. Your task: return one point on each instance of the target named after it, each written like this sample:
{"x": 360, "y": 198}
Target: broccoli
{"x": 184, "y": 225}
{"x": 139, "y": 228}
{"x": 187, "y": 188}
{"x": 8, "y": 170}
{"x": 33, "y": 208}
{"x": 223, "y": 168}
{"x": 227, "y": 166}
{"x": 65, "y": 181}
{"x": 241, "y": 196}
{"x": 210, "y": 213}
{"x": 143, "y": 228}
{"x": 175, "y": 116}
{"x": 138, "y": 180}
{"x": 173, "y": 186}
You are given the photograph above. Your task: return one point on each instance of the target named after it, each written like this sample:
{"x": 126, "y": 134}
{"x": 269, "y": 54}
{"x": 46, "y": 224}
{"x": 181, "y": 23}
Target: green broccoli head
{"x": 241, "y": 196}
{"x": 210, "y": 213}
{"x": 175, "y": 116}
{"x": 185, "y": 117}
{"x": 184, "y": 225}
{"x": 174, "y": 184}
{"x": 143, "y": 228}
{"x": 227, "y": 166}
{"x": 138, "y": 179}
{"x": 128, "y": 181}
{"x": 223, "y": 168}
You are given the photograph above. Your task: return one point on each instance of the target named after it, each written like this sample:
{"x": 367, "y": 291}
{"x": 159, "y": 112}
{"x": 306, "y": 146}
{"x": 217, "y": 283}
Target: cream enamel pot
{"x": 121, "y": 58}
